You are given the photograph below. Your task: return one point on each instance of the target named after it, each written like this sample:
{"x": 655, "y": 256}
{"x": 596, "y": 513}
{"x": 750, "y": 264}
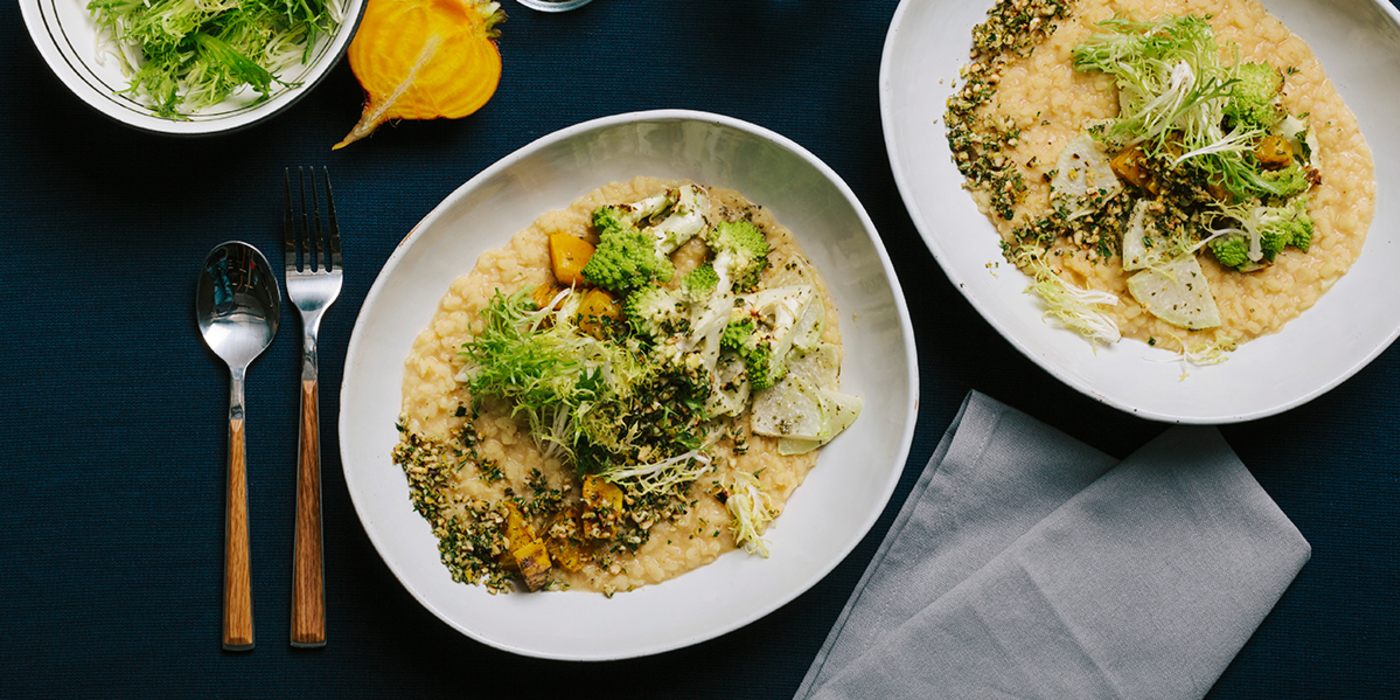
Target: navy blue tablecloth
{"x": 112, "y": 445}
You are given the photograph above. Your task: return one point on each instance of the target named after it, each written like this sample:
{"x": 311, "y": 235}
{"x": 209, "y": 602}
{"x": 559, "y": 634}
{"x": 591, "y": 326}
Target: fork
{"x": 312, "y": 257}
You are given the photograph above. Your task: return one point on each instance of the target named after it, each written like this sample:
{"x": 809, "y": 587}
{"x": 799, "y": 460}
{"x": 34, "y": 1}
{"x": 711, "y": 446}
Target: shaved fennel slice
{"x": 1083, "y": 170}
{"x": 1177, "y": 292}
{"x": 839, "y": 411}
{"x": 820, "y": 366}
{"x": 790, "y": 408}
{"x": 793, "y": 407}
{"x": 813, "y": 322}
{"x": 731, "y": 396}
{"x": 1136, "y": 254}
{"x": 806, "y": 408}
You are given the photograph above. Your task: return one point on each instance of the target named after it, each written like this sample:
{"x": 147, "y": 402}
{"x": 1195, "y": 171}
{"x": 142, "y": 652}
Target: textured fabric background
{"x": 113, "y": 431}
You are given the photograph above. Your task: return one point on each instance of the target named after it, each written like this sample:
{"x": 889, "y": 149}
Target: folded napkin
{"x": 1025, "y": 564}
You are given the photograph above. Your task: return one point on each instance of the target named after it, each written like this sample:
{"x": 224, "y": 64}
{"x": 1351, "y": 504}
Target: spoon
{"x": 238, "y": 304}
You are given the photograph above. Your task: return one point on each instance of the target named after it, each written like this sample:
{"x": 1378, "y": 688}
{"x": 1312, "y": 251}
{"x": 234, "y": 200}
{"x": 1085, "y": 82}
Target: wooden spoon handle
{"x": 238, "y": 590}
{"x": 308, "y": 570}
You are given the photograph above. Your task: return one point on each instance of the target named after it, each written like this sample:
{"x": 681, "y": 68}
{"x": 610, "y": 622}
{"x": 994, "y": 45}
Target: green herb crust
{"x": 978, "y": 140}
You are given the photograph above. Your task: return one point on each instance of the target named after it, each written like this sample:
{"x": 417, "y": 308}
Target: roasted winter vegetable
{"x": 424, "y": 59}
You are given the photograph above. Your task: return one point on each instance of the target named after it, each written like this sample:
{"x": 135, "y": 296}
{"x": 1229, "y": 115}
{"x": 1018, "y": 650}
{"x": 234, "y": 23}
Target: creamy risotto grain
{"x": 433, "y": 400}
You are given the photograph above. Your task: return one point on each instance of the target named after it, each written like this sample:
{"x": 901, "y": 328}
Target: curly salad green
{"x": 183, "y": 56}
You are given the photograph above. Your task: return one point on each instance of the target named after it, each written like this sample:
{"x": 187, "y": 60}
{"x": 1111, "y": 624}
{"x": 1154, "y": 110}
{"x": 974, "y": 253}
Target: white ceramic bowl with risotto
{"x": 1357, "y": 43}
{"x": 827, "y": 515}
{"x": 73, "y": 46}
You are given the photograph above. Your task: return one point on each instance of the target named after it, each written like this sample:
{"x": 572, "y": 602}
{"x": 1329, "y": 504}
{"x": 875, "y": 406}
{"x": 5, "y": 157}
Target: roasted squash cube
{"x": 545, "y": 293}
{"x": 564, "y": 537}
{"x": 602, "y": 507}
{"x": 568, "y": 254}
{"x": 526, "y": 548}
{"x": 598, "y": 312}
{"x": 1130, "y": 166}
{"x": 1274, "y": 152}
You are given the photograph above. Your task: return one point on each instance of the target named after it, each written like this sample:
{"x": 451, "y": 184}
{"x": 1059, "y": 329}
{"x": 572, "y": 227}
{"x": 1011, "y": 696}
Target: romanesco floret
{"x": 612, "y": 218}
{"x": 741, "y": 253}
{"x": 1231, "y": 251}
{"x": 736, "y": 334}
{"x": 762, "y": 328}
{"x": 634, "y": 248}
{"x": 1302, "y": 233}
{"x": 763, "y": 369}
{"x": 1254, "y": 97}
{"x": 626, "y": 257}
{"x": 700, "y": 283}
{"x": 1284, "y": 182}
{"x": 760, "y": 365}
{"x": 1262, "y": 232}
{"x": 655, "y": 312}
{"x": 633, "y": 213}
{"x": 1284, "y": 226}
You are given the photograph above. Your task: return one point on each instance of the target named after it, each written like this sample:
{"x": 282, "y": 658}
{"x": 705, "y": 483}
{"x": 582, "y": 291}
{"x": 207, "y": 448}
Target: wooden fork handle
{"x": 238, "y": 590}
{"x": 308, "y": 570}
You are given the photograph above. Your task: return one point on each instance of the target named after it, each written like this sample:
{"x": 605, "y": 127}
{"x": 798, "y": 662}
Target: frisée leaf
{"x": 183, "y": 56}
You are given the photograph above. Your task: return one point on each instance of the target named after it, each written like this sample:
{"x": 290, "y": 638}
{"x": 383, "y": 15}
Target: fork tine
{"x": 307, "y": 261}
{"x": 316, "y": 244}
{"x": 289, "y": 233}
{"x": 332, "y": 229}
{"x": 306, "y": 244}
{"x": 313, "y": 247}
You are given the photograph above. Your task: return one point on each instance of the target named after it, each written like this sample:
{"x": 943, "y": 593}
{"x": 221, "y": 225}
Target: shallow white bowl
{"x": 1359, "y": 44}
{"x": 66, "y": 37}
{"x": 825, "y": 518}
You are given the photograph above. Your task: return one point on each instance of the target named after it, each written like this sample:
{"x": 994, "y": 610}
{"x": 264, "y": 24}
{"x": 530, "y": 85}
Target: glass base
{"x": 553, "y": 5}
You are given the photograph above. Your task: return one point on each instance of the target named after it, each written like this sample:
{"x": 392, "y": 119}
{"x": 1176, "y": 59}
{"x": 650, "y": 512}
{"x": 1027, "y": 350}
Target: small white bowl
{"x": 826, "y": 517}
{"x": 1358, "y": 42}
{"x": 67, "y": 38}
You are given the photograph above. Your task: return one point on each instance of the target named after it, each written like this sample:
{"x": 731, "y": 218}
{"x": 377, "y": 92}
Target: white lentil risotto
{"x": 1174, "y": 171}
{"x": 631, "y": 387}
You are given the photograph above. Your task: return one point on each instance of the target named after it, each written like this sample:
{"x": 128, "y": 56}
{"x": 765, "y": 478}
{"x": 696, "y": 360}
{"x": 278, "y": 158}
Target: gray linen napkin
{"x": 1025, "y": 564}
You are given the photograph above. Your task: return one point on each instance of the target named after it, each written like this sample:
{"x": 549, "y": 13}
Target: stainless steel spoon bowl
{"x": 238, "y": 305}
